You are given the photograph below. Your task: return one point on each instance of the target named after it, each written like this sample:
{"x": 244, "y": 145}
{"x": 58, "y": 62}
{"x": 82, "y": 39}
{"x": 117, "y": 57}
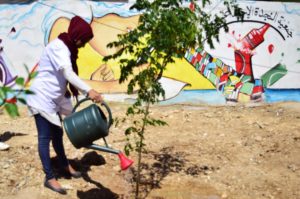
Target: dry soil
{"x": 243, "y": 151}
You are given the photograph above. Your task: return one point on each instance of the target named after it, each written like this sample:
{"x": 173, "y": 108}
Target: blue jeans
{"x": 47, "y": 132}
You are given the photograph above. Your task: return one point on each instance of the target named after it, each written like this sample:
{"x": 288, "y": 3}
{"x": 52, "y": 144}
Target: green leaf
{"x": 130, "y": 111}
{"x": 28, "y": 92}
{"x": 20, "y": 81}
{"x": 12, "y": 109}
{"x": 33, "y": 75}
{"x": 22, "y": 100}
{"x": 26, "y": 68}
{"x": 2, "y": 93}
{"x": 127, "y": 149}
{"x": 129, "y": 130}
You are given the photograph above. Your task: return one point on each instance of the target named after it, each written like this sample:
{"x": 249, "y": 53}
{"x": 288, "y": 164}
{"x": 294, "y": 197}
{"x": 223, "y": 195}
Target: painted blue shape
{"x": 281, "y": 95}
{"x": 211, "y": 65}
{"x": 258, "y": 82}
{"x": 197, "y": 97}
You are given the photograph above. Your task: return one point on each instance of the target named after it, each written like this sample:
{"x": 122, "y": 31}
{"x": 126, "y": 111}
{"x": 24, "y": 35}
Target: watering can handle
{"x": 102, "y": 103}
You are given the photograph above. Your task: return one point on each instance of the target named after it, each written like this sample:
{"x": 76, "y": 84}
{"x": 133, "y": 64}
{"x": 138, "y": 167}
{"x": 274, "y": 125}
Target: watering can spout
{"x": 125, "y": 162}
{"x": 104, "y": 149}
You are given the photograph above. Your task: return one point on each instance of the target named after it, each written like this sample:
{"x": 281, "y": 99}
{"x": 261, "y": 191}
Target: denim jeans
{"x": 47, "y": 132}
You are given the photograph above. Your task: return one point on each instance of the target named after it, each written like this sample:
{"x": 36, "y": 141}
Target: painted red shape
{"x": 242, "y": 56}
{"x": 229, "y": 45}
{"x": 271, "y": 48}
{"x": 258, "y": 89}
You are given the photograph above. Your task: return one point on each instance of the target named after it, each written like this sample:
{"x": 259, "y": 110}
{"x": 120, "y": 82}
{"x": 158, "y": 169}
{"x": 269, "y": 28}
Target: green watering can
{"x": 90, "y": 124}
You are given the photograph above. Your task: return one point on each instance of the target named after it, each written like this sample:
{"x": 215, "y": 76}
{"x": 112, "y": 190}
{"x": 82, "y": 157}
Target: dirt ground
{"x": 245, "y": 151}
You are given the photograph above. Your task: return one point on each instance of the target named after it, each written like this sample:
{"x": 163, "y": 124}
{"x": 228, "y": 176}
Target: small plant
{"x": 166, "y": 30}
{"x": 10, "y": 96}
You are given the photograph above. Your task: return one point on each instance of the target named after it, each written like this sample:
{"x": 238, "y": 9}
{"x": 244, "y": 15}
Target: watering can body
{"x": 87, "y": 125}
{"x": 90, "y": 124}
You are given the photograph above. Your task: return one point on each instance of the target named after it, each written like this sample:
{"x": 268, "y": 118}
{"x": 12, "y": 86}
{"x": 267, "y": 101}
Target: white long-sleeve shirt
{"x": 54, "y": 70}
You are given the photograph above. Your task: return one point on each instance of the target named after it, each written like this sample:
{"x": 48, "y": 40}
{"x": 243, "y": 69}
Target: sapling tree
{"x": 166, "y": 30}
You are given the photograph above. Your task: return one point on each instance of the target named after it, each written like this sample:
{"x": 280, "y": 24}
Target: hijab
{"x": 78, "y": 29}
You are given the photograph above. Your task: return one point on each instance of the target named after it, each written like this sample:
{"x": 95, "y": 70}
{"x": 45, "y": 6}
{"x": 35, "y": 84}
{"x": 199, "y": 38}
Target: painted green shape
{"x": 190, "y": 57}
{"x": 197, "y": 66}
{"x": 202, "y": 61}
{"x": 273, "y": 75}
{"x": 246, "y": 78}
{"x": 212, "y": 78}
{"x": 228, "y": 83}
{"x": 219, "y": 62}
{"x": 247, "y": 88}
{"x": 207, "y": 57}
{"x": 199, "y": 50}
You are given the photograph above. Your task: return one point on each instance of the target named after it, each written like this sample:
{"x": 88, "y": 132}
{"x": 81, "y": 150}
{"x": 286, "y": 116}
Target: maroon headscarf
{"x": 78, "y": 29}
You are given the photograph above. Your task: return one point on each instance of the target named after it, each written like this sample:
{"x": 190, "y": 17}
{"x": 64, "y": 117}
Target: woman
{"x": 56, "y": 71}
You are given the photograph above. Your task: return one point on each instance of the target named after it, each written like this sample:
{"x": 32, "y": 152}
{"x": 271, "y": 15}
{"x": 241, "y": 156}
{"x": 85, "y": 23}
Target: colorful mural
{"x": 238, "y": 84}
{"x": 252, "y": 62}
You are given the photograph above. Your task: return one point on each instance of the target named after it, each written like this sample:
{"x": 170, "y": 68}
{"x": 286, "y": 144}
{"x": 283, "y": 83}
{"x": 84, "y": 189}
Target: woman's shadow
{"x": 84, "y": 165}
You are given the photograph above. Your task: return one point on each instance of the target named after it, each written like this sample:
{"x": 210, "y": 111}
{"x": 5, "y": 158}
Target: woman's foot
{"x": 54, "y": 186}
{"x": 75, "y": 174}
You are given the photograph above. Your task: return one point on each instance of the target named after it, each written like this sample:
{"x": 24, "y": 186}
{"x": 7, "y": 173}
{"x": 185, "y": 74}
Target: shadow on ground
{"x": 84, "y": 165}
{"x": 7, "y": 135}
{"x": 165, "y": 162}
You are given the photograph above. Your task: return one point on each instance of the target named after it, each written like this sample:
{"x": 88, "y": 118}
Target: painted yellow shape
{"x": 243, "y": 97}
{"x": 182, "y": 70}
{"x": 59, "y": 26}
{"x": 219, "y": 72}
{"x": 192, "y": 51}
{"x": 88, "y": 61}
{"x": 107, "y": 28}
{"x": 234, "y": 79}
{"x": 228, "y": 90}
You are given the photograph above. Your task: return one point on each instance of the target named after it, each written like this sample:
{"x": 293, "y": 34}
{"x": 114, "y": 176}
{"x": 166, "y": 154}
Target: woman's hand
{"x": 95, "y": 96}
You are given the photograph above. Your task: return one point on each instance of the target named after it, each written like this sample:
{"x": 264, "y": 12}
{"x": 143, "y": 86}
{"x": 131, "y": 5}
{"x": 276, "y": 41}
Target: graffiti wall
{"x": 257, "y": 60}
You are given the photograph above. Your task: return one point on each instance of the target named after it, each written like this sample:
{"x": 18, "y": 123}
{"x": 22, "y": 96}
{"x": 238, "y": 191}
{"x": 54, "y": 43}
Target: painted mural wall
{"x": 257, "y": 60}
